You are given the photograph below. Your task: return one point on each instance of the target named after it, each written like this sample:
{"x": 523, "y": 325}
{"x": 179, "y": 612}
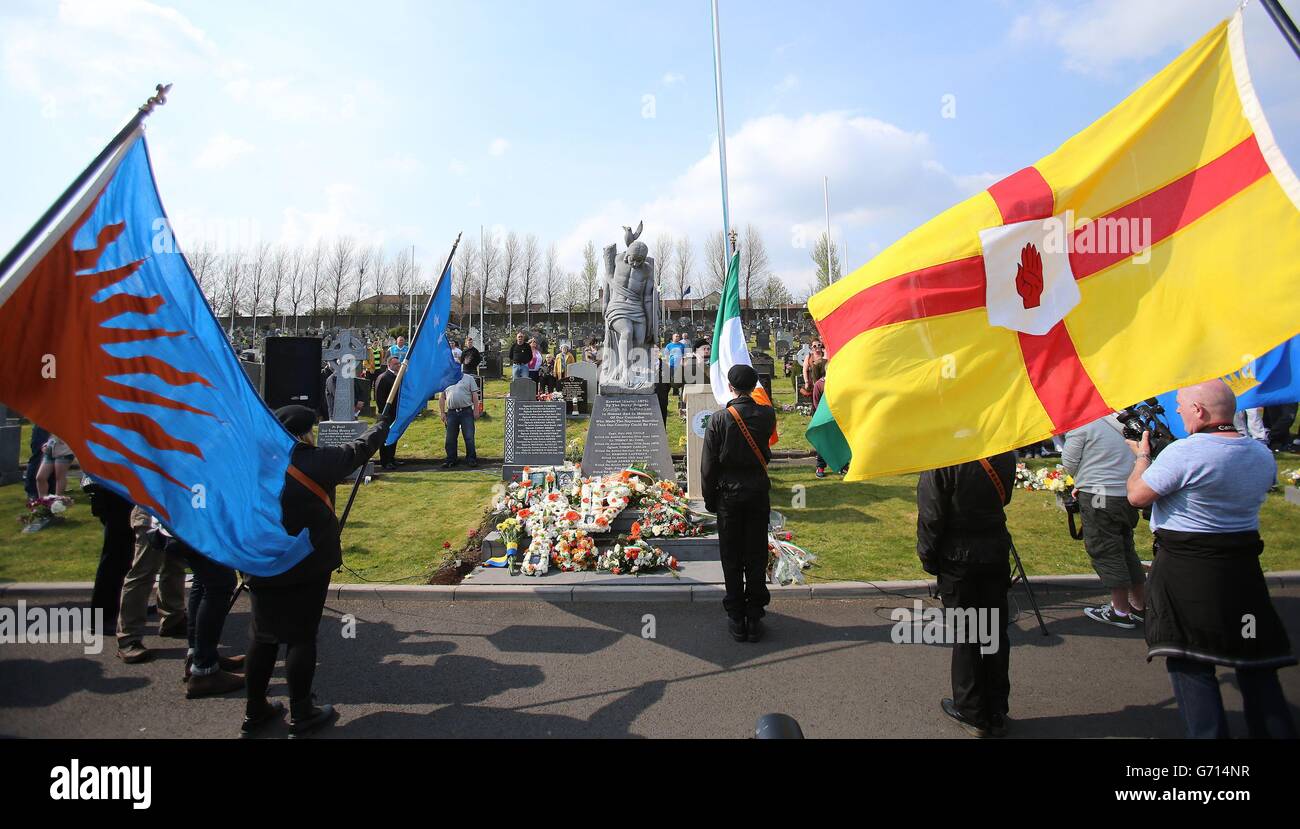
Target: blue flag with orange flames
{"x": 111, "y": 346}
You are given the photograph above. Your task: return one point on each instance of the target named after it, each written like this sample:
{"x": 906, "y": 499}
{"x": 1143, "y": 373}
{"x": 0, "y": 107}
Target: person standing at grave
{"x": 383, "y": 386}
{"x": 458, "y": 407}
{"x": 399, "y": 349}
{"x": 287, "y": 608}
{"x": 535, "y": 362}
{"x": 37, "y": 448}
{"x": 114, "y": 512}
{"x": 470, "y": 357}
{"x": 736, "y": 489}
{"x": 962, "y": 539}
{"x": 56, "y": 458}
{"x": 520, "y": 356}
{"x": 562, "y": 362}
{"x": 591, "y": 352}
{"x": 150, "y": 564}
{"x": 675, "y": 351}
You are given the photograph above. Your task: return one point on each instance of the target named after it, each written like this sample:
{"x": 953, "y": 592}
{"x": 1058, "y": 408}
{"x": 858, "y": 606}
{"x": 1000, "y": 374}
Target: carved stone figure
{"x": 630, "y": 301}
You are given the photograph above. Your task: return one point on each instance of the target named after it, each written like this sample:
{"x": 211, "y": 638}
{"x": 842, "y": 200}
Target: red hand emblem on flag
{"x": 1029, "y": 276}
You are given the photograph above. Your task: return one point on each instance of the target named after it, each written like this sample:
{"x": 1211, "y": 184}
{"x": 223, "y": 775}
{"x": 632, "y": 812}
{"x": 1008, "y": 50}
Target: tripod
{"x": 1019, "y": 573}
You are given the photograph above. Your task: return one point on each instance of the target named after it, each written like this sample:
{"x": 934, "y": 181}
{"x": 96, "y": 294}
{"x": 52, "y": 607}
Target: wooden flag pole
{"x": 397, "y": 383}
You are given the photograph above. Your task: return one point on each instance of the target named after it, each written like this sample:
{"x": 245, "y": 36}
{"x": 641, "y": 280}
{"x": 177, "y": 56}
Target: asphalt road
{"x": 532, "y": 669}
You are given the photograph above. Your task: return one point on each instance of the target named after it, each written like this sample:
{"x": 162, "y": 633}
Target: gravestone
{"x": 627, "y": 430}
{"x": 523, "y": 388}
{"x": 345, "y": 354}
{"x": 700, "y": 407}
{"x": 254, "y": 372}
{"x": 764, "y": 365}
{"x": 783, "y": 346}
{"x": 576, "y": 401}
{"x": 10, "y": 448}
{"x": 763, "y": 340}
{"x": 534, "y": 433}
{"x": 589, "y": 372}
{"x": 490, "y": 369}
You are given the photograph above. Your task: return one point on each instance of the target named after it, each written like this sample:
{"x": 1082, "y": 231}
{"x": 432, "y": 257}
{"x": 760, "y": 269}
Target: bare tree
{"x": 204, "y": 264}
{"x": 825, "y": 276}
{"x": 774, "y": 294}
{"x": 590, "y": 275}
{"x": 489, "y": 266}
{"x": 341, "y": 258}
{"x": 551, "y": 277}
{"x": 298, "y": 285}
{"x": 683, "y": 266}
{"x": 315, "y": 264}
{"x": 368, "y": 259}
{"x": 464, "y": 275}
{"x": 716, "y": 259}
{"x": 400, "y": 277}
{"x": 259, "y": 273}
{"x": 510, "y": 265}
{"x": 278, "y": 283}
{"x": 755, "y": 264}
{"x": 531, "y": 264}
{"x": 232, "y": 279}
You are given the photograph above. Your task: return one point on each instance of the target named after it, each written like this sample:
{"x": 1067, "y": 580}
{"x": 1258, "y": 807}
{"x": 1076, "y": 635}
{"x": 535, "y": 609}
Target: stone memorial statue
{"x": 344, "y": 353}
{"x": 631, "y": 304}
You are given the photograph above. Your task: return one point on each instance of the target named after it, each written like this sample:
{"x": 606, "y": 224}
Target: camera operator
{"x": 1208, "y": 603}
{"x": 962, "y": 539}
{"x": 1100, "y": 460}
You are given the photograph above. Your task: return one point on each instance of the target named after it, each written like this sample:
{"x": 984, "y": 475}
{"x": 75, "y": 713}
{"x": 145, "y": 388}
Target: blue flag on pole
{"x": 430, "y": 366}
{"x": 110, "y": 345}
{"x": 1271, "y": 380}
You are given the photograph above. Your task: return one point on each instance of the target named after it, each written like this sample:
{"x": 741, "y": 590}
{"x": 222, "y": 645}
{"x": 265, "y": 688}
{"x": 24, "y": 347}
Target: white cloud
{"x": 671, "y": 78}
{"x": 883, "y": 179}
{"x": 221, "y": 150}
{"x": 1096, "y": 36}
{"x": 94, "y": 54}
{"x": 498, "y": 147}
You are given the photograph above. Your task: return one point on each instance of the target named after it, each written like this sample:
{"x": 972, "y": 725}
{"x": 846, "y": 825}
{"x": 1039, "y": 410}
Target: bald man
{"x": 1207, "y": 602}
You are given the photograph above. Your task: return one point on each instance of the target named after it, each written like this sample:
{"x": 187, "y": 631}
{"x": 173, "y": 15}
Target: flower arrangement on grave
{"x": 41, "y": 512}
{"x": 1055, "y": 480}
{"x": 785, "y": 560}
{"x": 1025, "y": 478}
{"x": 574, "y": 550}
{"x": 511, "y": 530}
{"x": 635, "y": 556}
{"x": 1292, "y": 477}
{"x": 537, "y": 558}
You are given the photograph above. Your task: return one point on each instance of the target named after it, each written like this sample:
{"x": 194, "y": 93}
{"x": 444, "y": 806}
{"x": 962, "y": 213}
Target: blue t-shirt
{"x": 674, "y": 352}
{"x": 1210, "y": 484}
{"x": 398, "y": 351}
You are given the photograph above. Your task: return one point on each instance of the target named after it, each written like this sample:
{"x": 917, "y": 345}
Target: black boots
{"x": 737, "y": 629}
{"x": 254, "y": 723}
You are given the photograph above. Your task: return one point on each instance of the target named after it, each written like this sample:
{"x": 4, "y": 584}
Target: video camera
{"x": 1146, "y": 417}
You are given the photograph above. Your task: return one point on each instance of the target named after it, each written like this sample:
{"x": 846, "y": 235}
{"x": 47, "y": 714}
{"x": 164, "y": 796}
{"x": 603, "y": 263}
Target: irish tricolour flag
{"x": 729, "y": 347}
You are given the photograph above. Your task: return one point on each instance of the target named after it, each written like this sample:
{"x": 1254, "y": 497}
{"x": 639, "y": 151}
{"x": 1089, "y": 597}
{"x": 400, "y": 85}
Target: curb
{"x": 659, "y": 593}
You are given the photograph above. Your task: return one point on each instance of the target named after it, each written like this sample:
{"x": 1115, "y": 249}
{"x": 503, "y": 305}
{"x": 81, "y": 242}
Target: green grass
{"x": 399, "y": 522}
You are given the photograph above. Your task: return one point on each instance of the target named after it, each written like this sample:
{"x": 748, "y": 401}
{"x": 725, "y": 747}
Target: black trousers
{"x": 742, "y": 541}
{"x": 115, "y": 556}
{"x": 387, "y": 454}
{"x": 981, "y": 683}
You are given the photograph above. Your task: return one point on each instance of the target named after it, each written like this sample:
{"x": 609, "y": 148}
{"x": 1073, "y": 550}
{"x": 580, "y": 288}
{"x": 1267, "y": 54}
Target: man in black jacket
{"x": 287, "y": 608}
{"x": 734, "y": 472}
{"x": 962, "y": 538}
{"x": 521, "y": 354}
{"x": 384, "y": 385}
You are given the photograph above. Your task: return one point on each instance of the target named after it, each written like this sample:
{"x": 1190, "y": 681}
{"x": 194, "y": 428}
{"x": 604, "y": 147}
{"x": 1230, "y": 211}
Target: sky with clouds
{"x": 402, "y": 123}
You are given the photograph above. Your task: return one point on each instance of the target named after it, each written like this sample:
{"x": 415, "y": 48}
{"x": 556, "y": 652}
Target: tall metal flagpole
{"x": 826, "y": 196}
{"x": 722, "y": 124}
{"x": 1284, "y": 24}
{"x": 410, "y": 299}
{"x": 482, "y": 294}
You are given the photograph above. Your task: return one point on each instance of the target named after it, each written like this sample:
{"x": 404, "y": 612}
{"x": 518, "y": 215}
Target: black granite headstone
{"x": 340, "y": 433}
{"x": 10, "y": 449}
{"x": 534, "y": 435}
{"x": 763, "y": 340}
{"x": 574, "y": 390}
{"x": 491, "y": 367}
{"x": 627, "y": 430}
{"x": 523, "y": 389}
{"x": 764, "y": 365}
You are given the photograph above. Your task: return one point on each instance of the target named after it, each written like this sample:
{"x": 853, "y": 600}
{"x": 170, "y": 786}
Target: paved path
{"x": 532, "y": 669}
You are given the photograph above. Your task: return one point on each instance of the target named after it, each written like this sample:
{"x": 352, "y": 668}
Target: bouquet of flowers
{"x": 785, "y": 561}
{"x": 537, "y": 558}
{"x": 1055, "y": 480}
{"x": 515, "y": 498}
{"x": 41, "y": 512}
{"x": 574, "y": 550}
{"x": 1292, "y": 477}
{"x": 511, "y": 530}
{"x": 1025, "y": 479}
{"x": 635, "y": 556}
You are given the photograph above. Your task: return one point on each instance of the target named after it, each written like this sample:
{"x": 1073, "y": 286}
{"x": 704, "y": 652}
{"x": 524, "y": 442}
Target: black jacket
{"x": 960, "y": 516}
{"x": 521, "y": 354}
{"x": 470, "y": 358}
{"x": 729, "y": 469}
{"x": 327, "y": 466}
{"x": 382, "y": 387}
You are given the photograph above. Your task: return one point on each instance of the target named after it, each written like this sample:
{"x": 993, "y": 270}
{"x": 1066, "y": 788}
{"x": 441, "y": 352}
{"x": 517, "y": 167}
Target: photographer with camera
{"x": 1100, "y": 461}
{"x": 1208, "y": 603}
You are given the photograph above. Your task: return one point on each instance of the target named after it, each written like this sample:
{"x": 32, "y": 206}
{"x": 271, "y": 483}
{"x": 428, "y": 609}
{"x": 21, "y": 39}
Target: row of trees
{"x": 510, "y": 274}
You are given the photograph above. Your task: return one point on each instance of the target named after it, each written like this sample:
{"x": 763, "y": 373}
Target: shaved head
{"x": 1208, "y": 402}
